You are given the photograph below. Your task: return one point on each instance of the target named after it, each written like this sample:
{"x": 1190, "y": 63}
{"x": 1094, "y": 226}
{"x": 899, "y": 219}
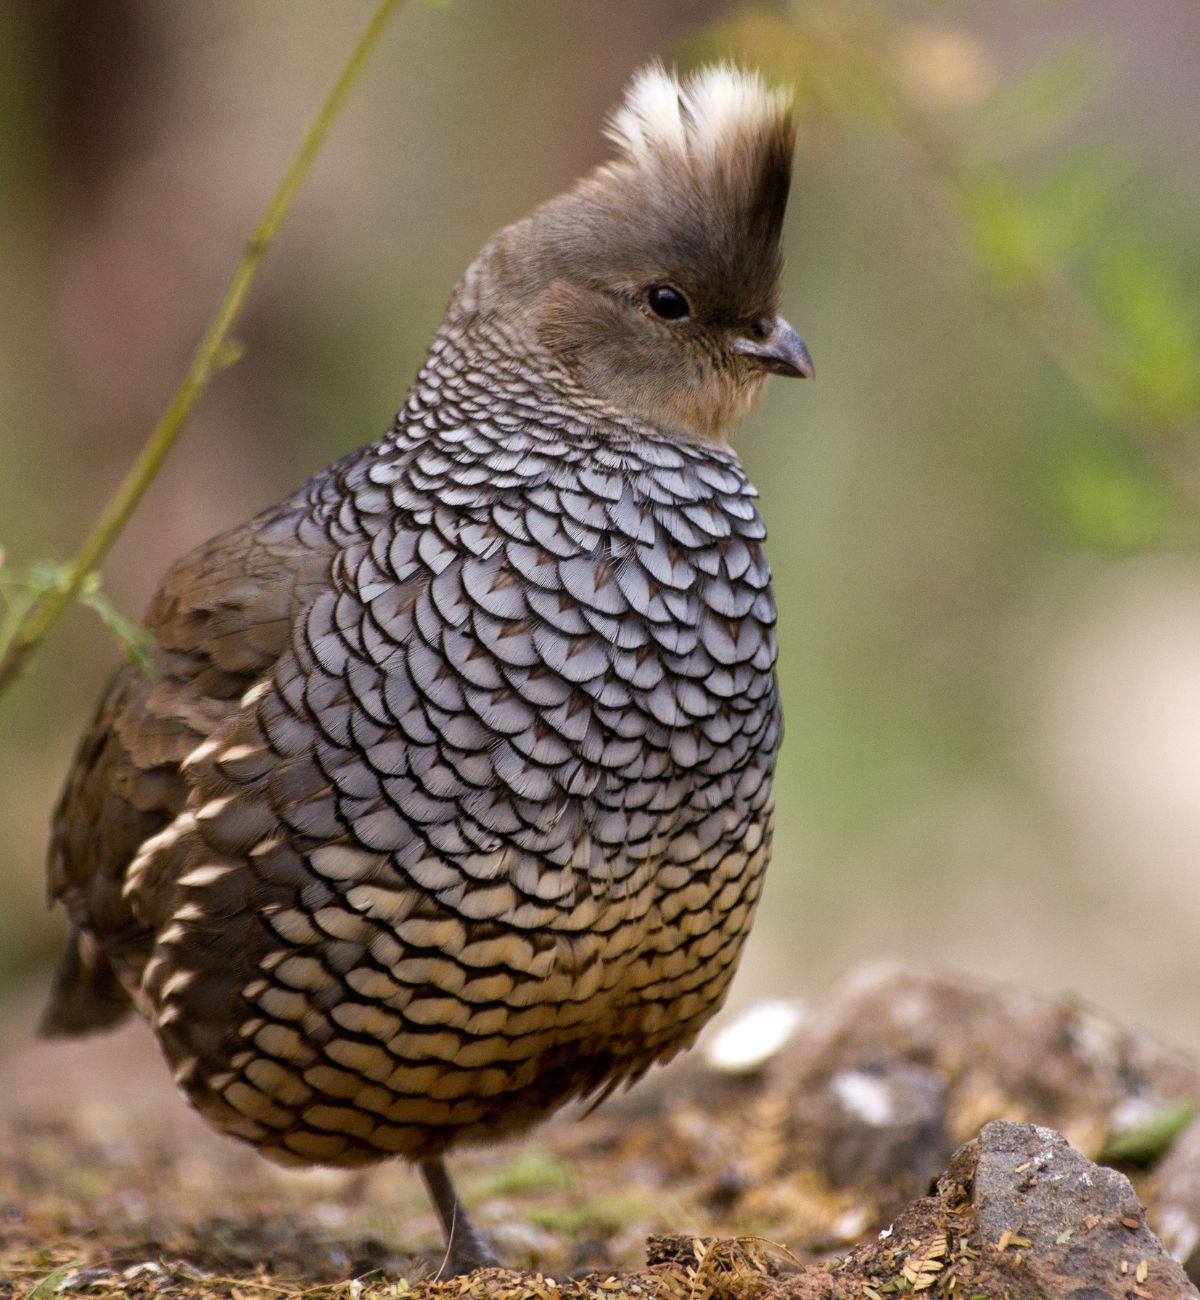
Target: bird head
{"x": 653, "y": 283}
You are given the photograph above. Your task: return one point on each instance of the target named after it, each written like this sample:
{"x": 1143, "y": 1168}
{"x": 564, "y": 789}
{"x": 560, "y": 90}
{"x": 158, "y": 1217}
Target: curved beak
{"x": 782, "y": 352}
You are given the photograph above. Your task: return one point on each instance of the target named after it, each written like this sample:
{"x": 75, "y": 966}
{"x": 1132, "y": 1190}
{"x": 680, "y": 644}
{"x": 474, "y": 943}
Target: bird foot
{"x": 466, "y": 1249}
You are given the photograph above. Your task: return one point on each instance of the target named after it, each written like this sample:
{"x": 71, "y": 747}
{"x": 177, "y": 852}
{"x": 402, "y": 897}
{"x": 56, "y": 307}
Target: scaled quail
{"x": 447, "y": 798}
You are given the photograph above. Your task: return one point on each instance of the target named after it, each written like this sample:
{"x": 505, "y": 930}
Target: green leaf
{"x": 1026, "y": 234}
{"x": 134, "y": 639}
{"x": 1111, "y": 502}
{"x": 19, "y": 588}
{"x": 1157, "y": 327}
{"x": 1144, "y": 1143}
{"x": 229, "y": 353}
{"x": 48, "y": 1286}
{"x": 525, "y": 1172}
{"x": 1073, "y": 204}
{"x": 1039, "y": 105}
{"x": 1001, "y": 229}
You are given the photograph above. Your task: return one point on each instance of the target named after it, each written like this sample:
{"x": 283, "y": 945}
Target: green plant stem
{"x": 212, "y": 354}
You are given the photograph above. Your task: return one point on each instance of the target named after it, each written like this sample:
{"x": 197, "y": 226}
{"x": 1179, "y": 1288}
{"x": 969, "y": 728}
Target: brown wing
{"x": 220, "y": 620}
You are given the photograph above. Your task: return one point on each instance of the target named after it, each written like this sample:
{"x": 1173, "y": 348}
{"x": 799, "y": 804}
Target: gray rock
{"x": 883, "y": 1123}
{"x": 1002, "y": 1051}
{"x": 1073, "y": 1230}
{"x": 1019, "y": 1215}
{"x": 1176, "y": 1200}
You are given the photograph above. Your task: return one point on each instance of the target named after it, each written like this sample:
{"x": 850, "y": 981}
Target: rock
{"x": 1175, "y": 1195}
{"x": 883, "y": 1124}
{"x": 1087, "y": 1232}
{"x": 836, "y": 1130}
{"x": 1021, "y": 1214}
{"x": 1001, "y": 1052}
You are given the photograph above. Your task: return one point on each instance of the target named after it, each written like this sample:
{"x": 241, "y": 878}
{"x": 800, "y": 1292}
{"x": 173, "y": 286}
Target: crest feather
{"x": 702, "y": 117}
{"x": 694, "y": 197}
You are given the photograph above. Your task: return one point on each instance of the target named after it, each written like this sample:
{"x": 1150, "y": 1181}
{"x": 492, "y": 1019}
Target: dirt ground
{"x": 109, "y": 1182}
{"x": 701, "y": 1184}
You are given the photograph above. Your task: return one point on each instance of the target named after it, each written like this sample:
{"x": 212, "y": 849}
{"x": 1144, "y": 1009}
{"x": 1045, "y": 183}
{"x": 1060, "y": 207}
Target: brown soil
{"x": 111, "y": 1186}
{"x": 698, "y": 1185}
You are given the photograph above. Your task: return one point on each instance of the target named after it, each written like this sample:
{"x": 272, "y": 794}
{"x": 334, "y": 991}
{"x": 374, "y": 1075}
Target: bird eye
{"x": 668, "y": 303}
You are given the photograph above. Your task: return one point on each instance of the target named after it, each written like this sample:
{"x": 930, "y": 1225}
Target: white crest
{"x": 705, "y": 113}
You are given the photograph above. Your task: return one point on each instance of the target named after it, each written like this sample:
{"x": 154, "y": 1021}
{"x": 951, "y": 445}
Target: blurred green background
{"x": 983, "y": 514}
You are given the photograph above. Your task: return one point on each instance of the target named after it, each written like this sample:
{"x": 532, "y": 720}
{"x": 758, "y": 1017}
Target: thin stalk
{"x": 213, "y": 352}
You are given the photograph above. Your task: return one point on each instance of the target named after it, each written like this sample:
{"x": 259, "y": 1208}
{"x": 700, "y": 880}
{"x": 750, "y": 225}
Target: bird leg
{"x": 466, "y": 1250}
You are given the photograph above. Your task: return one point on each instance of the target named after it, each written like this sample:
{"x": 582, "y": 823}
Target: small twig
{"x": 213, "y": 352}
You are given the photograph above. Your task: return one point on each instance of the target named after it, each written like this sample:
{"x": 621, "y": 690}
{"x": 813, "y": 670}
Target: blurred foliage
{"x": 1110, "y": 312}
{"x": 20, "y": 589}
{"x": 1037, "y": 219}
{"x": 992, "y": 248}
{"x": 48, "y": 590}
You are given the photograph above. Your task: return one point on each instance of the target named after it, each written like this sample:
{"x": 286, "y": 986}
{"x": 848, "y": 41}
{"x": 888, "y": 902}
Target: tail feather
{"x": 86, "y": 994}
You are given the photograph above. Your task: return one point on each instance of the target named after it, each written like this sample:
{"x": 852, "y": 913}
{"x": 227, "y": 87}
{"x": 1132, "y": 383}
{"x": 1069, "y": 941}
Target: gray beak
{"x": 782, "y": 352}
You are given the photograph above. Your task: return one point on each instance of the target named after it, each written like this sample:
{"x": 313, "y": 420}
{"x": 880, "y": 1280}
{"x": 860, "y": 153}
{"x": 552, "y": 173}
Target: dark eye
{"x": 668, "y": 303}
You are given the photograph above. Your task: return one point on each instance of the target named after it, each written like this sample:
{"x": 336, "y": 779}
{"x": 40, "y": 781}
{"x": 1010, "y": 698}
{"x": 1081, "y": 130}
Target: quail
{"x": 447, "y": 797}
